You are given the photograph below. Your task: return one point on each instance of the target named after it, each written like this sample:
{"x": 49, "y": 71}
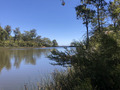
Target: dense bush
{"x": 95, "y": 68}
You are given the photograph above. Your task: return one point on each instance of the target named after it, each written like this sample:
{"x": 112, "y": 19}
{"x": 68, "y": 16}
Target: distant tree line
{"x": 26, "y": 39}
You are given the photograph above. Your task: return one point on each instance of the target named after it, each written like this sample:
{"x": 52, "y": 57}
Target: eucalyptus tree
{"x": 26, "y": 36}
{"x": 87, "y": 15}
{"x": 38, "y": 38}
{"x": 3, "y": 33}
{"x": 8, "y": 30}
{"x": 54, "y": 43}
{"x": 33, "y": 33}
{"x": 17, "y": 34}
{"x": 46, "y": 42}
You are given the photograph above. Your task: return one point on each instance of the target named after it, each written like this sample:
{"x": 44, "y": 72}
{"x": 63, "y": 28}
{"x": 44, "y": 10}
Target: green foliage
{"x": 33, "y": 33}
{"x": 54, "y": 43}
{"x": 69, "y": 80}
{"x": 114, "y": 12}
{"x": 100, "y": 12}
{"x": 2, "y": 34}
{"x": 26, "y": 39}
{"x": 46, "y": 42}
{"x": 8, "y": 30}
{"x": 17, "y": 34}
{"x": 87, "y": 15}
{"x": 96, "y": 68}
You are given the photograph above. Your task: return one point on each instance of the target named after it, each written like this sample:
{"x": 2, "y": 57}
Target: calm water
{"x": 19, "y": 66}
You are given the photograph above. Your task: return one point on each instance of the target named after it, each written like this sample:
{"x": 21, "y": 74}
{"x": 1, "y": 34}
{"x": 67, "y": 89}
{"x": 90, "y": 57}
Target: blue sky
{"x": 48, "y": 17}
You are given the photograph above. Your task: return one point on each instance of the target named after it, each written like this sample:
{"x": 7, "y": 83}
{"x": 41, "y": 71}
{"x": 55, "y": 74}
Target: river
{"x": 18, "y": 66}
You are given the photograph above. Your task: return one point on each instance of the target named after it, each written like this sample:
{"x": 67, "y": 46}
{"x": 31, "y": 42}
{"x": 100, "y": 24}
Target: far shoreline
{"x": 37, "y": 47}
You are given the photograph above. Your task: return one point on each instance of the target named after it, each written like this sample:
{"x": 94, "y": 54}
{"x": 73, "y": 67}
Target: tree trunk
{"x": 115, "y": 26}
{"x": 98, "y": 15}
{"x": 87, "y": 36}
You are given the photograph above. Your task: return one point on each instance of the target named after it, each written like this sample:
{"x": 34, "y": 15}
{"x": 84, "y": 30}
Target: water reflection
{"x": 21, "y": 65}
{"x": 18, "y": 55}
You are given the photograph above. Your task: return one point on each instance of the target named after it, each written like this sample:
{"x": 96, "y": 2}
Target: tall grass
{"x": 60, "y": 80}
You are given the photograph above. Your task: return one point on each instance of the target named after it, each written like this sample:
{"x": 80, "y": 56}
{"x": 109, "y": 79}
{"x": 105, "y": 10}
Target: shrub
{"x": 95, "y": 68}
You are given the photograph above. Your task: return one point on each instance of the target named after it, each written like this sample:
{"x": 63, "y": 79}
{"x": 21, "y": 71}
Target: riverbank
{"x": 38, "y": 47}
{"x": 24, "y": 47}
